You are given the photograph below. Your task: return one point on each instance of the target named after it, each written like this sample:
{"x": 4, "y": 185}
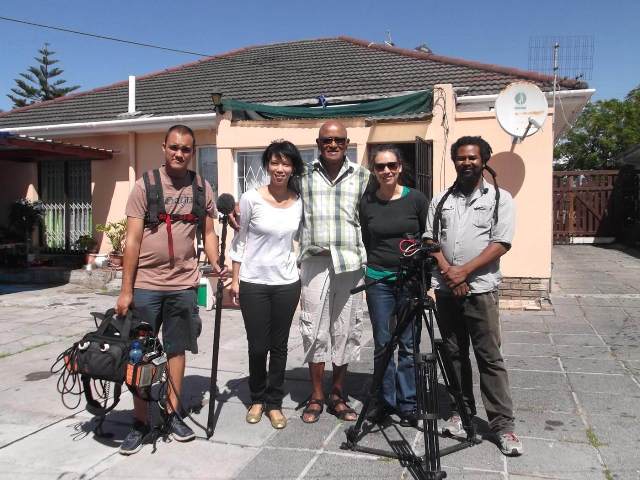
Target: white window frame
{"x": 236, "y": 166}
{"x": 236, "y": 163}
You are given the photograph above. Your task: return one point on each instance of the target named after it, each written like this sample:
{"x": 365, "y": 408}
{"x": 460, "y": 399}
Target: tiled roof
{"x": 283, "y": 72}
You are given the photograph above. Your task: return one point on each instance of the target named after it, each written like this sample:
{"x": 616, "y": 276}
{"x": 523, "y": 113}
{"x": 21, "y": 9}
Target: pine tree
{"x": 39, "y": 82}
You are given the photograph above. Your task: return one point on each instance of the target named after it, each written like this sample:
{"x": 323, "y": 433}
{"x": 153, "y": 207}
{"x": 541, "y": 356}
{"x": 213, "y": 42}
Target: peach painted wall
{"x": 20, "y": 183}
{"x": 113, "y": 179}
{"x": 525, "y": 170}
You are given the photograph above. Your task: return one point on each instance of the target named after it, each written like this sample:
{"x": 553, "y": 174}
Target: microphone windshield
{"x": 225, "y": 204}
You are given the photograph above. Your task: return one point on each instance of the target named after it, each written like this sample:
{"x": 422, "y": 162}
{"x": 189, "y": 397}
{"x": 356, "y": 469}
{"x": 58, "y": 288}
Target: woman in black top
{"x": 389, "y": 211}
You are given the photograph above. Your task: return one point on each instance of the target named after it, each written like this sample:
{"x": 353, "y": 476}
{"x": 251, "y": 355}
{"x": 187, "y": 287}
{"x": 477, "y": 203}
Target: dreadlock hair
{"x": 485, "y": 155}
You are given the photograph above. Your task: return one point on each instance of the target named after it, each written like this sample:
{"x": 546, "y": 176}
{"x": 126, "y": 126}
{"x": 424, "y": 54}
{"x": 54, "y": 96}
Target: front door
{"x": 65, "y": 190}
{"x": 424, "y": 167}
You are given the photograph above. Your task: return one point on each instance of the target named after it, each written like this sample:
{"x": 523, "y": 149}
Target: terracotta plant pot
{"x": 115, "y": 259}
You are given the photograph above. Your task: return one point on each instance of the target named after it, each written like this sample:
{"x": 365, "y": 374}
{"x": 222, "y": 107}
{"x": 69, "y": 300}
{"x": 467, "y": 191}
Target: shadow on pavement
{"x": 634, "y": 252}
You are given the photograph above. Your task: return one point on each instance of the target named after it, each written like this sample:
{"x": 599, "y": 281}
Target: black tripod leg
{"x": 378, "y": 375}
{"x": 453, "y": 386}
{"x": 428, "y": 406}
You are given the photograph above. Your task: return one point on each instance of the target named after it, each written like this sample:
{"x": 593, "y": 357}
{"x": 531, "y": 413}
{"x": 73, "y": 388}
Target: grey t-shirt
{"x": 467, "y": 228}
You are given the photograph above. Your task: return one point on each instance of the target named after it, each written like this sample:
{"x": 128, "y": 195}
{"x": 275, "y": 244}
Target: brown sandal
{"x": 332, "y": 403}
{"x": 315, "y": 414}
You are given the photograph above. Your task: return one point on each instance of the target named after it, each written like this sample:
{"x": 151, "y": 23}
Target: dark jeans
{"x": 475, "y": 320}
{"x": 268, "y": 311}
{"x": 399, "y": 384}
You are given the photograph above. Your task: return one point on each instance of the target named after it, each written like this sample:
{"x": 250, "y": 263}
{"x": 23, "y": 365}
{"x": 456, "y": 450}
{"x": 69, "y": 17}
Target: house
{"x": 126, "y": 121}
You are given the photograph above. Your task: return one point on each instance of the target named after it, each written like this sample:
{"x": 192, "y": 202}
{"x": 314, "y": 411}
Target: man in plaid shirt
{"x": 332, "y": 257}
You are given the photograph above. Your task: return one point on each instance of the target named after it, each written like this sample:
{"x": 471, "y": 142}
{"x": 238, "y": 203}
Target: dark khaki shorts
{"x": 176, "y": 312}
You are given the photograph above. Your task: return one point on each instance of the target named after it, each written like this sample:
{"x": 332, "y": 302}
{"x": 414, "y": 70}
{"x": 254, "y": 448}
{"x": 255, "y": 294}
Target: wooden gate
{"x": 584, "y": 204}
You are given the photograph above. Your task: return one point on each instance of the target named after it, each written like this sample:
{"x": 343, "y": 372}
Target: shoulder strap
{"x": 199, "y": 205}
{"x": 155, "y": 196}
{"x": 123, "y": 325}
{"x": 199, "y": 202}
{"x": 93, "y": 406}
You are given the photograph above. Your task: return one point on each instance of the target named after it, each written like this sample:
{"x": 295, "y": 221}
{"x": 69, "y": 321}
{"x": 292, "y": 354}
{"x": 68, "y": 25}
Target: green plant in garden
{"x": 86, "y": 243}
{"x": 604, "y": 130}
{"x": 115, "y": 232}
{"x": 24, "y": 216}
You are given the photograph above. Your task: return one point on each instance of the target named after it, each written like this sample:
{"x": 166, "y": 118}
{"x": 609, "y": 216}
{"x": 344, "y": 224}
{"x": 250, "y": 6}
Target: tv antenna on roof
{"x": 387, "y": 39}
{"x": 566, "y": 56}
{"x": 562, "y": 57}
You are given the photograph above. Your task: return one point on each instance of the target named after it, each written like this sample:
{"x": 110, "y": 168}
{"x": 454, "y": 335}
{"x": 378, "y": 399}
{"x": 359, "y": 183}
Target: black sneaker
{"x": 409, "y": 418}
{"x": 132, "y": 443}
{"x": 379, "y": 412}
{"x": 179, "y": 430}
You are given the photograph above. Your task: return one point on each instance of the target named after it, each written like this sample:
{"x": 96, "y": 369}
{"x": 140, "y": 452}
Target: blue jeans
{"x": 399, "y": 384}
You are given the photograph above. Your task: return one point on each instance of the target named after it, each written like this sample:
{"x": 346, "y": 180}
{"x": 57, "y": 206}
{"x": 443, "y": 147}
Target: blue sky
{"x": 488, "y": 31}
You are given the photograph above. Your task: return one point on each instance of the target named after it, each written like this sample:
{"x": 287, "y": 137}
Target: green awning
{"x": 418, "y": 103}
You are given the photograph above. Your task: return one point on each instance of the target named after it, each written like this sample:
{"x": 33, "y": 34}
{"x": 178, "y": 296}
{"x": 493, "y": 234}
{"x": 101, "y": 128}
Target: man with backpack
{"x": 160, "y": 268}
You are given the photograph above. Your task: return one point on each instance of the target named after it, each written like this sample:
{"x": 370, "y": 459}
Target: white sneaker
{"x": 510, "y": 444}
{"x": 453, "y": 427}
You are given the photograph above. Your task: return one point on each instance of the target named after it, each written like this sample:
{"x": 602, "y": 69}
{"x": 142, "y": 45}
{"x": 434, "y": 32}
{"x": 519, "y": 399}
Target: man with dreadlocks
{"x": 474, "y": 222}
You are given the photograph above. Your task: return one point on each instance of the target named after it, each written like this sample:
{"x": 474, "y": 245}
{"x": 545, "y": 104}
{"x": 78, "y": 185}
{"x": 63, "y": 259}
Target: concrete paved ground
{"x": 574, "y": 371}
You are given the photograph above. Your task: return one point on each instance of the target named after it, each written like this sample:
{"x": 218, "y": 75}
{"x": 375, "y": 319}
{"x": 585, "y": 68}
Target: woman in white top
{"x": 265, "y": 277}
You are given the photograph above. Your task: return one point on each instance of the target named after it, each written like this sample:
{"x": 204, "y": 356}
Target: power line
{"x": 274, "y": 68}
{"x": 104, "y": 37}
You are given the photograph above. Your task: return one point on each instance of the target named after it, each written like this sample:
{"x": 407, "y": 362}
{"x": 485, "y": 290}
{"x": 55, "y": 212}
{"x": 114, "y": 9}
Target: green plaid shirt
{"x": 331, "y": 220}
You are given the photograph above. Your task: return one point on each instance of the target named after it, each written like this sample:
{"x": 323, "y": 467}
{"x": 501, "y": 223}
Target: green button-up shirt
{"x": 330, "y": 220}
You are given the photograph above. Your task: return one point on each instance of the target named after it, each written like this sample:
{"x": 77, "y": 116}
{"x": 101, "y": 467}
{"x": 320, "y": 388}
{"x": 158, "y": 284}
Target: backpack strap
{"x": 197, "y": 185}
{"x": 155, "y": 197}
{"x": 199, "y": 207}
{"x": 93, "y": 406}
{"x": 122, "y": 325}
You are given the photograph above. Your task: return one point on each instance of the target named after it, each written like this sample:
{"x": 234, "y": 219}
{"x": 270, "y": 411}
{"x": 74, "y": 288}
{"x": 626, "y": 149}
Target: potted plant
{"x": 115, "y": 232}
{"x": 87, "y": 245}
{"x": 23, "y": 218}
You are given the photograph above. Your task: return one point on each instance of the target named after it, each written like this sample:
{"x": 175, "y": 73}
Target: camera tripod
{"x": 415, "y": 276}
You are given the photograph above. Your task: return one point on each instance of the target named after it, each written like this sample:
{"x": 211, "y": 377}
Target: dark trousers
{"x": 268, "y": 311}
{"x": 475, "y": 320}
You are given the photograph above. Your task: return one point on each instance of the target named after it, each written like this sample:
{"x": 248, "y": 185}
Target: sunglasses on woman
{"x": 392, "y": 166}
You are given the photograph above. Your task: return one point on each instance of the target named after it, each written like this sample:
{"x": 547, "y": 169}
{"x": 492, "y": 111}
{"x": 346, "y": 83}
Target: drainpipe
{"x": 133, "y": 163}
{"x": 132, "y": 135}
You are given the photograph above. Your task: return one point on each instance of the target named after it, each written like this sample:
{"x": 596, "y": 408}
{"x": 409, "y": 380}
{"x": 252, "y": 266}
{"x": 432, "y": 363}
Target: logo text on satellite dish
{"x": 521, "y": 99}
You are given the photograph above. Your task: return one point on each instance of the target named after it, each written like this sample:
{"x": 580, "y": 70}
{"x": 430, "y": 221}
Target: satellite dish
{"x": 521, "y": 109}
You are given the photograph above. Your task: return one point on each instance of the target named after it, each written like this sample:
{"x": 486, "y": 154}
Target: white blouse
{"x": 264, "y": 242}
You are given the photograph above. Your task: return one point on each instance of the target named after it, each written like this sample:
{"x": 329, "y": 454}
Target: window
{"x": 250, "y": 171}
{"x": 308, "y": 154}
{"x": 207, "y": 161}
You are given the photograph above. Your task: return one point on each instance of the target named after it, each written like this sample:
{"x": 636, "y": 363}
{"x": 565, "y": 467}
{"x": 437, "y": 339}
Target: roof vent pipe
{"x": 132, "y": 94}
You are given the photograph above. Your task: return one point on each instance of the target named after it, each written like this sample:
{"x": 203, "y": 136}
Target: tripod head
{"x": 416, "y": 265}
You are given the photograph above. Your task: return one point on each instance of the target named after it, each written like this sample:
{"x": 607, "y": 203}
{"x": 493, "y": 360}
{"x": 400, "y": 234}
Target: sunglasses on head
{"x": 341, "y": 141}
{"x": 392, "y": 166}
